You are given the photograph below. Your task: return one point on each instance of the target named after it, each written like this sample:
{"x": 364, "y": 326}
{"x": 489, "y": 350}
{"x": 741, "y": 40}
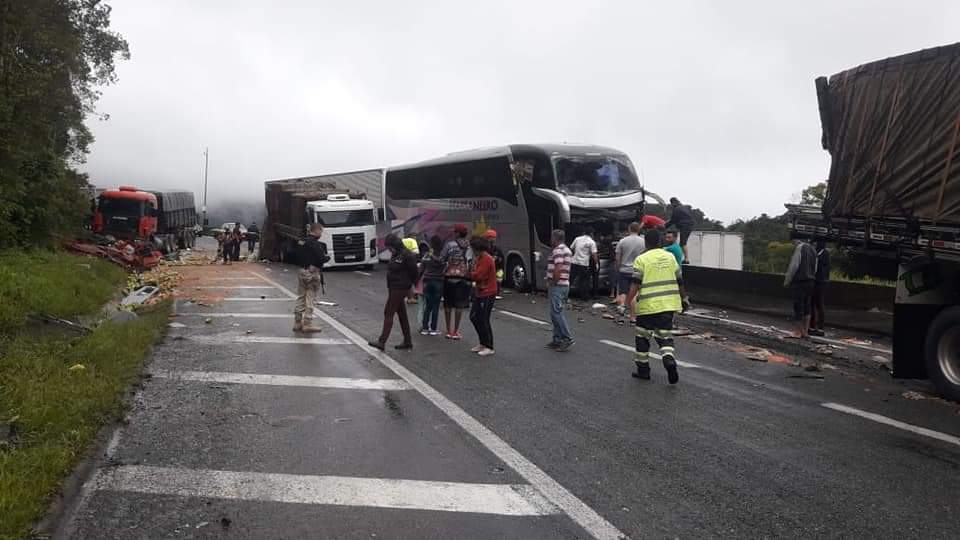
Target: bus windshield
{"x": 345, "y": 218}
{"x": 595, "y": 175}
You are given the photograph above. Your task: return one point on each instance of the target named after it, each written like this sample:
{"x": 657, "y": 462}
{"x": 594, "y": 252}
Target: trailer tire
{"x": 517, "y": 276}
{"x": 942, "y": 352}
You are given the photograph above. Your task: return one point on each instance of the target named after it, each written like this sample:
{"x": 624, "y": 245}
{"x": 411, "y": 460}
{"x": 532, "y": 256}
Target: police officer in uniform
{"x": 654, "y": 297}
{"x": 312, "y": 256}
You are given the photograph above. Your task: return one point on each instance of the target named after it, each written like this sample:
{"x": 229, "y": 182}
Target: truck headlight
{"x": 373, "y": 247}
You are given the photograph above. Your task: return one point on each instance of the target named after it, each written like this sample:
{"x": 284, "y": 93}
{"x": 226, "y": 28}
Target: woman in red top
{"x": 485, "y": 278}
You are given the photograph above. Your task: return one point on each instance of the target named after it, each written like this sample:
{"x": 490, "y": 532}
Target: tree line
{"x": 54, "y": 55}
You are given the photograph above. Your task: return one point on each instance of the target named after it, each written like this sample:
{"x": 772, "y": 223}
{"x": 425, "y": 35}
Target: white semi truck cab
{"x": 349, "y": 229}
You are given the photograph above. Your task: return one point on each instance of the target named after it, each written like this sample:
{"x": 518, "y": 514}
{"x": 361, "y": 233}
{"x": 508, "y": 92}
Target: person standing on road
{"x": 484, "y": 275}
{"x": 654, "y": 299}
{"x": 253, "y": 234}
{"x": 312, "y": 255}
{"x": 498, "y": 258}
{"x": 402, "y": 273}
{"x": 681, "y": 217}
{"x": 800, "y": 278}
{"x": 585, "y": 259}
{"x": 237, "y": 237}
{"x": 558, "y": 289}
{"x": 431, "y": 272}
{"x": 628, "y": 249}
{"x": 410, "y": 242}
{"x": 670, "y": 244}
{"x": 456, "y": 257}
{"x": 820, "y": 283}
{"x": 227, "y": 245}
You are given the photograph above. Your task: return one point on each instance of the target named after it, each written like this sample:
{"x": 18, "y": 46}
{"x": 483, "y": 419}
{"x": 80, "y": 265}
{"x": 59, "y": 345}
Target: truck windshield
{"x": 121, "y": 207}
{"x": 345, "y": 218}
{"x": 595, "y": 175}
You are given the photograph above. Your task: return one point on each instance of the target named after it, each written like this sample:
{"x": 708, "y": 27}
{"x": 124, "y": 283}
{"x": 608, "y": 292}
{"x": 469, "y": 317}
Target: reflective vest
{"x": 412, "y": 245}
{"x": 659, "y": 291}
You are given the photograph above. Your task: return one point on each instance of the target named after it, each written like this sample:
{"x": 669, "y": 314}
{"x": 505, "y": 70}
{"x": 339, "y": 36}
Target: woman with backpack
{"x": 485, "y": 277}
{"x": 431, "y": 272}
{"x": 456, "y": 257}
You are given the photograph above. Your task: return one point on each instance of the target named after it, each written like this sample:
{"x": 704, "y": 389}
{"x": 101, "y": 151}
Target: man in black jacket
{"x": 800, "y": 278}
{"x": 312, "y": 255}
{"x": 681, "y": 217}
{"x": 402, "y": 273}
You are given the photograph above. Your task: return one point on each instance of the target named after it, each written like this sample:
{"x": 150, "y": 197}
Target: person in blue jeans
{"x": 432, "y": 270}
{"x": 558, "y": 283}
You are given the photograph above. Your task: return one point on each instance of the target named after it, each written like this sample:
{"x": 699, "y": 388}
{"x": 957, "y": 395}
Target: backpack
{"x": 457, "y": 265}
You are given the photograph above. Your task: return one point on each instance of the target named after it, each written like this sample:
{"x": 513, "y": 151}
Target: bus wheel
{"x": 517, "y": 274}
{"x": 943, "y": 353}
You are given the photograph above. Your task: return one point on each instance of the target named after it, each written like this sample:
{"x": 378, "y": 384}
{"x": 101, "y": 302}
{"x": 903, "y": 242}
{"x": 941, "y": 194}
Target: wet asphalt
{"x": 736, "y": 449}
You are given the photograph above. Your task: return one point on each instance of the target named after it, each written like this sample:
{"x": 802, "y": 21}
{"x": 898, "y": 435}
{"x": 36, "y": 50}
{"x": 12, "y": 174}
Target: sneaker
{"x": 642, "y": 372}
{"x": 816, "y": 332}
{"x": 424, "y": 332}
{"x": 671, "y": 366}
{"x": 434, "y": 333}
{"x": 565, "y": 346}
{"x": 403, "y": 346}
{"x": 487, "y": 352}
{"x": 448, "y": 335}
{"x": 375, "y": 345}
{"x": 498, "y": 297}
{"x": 457, "y": 336}
{"x": 552, "y": 345}
{"x": 477, "y": 348}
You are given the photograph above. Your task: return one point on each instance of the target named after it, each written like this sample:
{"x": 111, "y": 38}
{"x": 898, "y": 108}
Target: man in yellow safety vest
{"x": 655, "y": 295}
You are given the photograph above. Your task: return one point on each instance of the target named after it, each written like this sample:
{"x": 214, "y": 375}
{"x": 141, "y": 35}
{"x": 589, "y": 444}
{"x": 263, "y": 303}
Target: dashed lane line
{"x": 362, "y": 273}
{"x": 499, "y": 499}
{"x": 284, "y": 380}
{"x": 255, "y": 299}
{"x": 592, "y": 522}
{"x": 218, "y": 339}
{"x": 894, "y": 423}
{"x": 521, "y": 317}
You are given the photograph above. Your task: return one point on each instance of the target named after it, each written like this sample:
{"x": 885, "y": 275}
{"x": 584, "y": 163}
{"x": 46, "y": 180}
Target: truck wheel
{"x": 517, "y": 274}
{"x": 943, "y": 353}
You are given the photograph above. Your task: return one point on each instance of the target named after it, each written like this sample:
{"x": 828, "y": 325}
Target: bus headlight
{"x": 536, "y": 256}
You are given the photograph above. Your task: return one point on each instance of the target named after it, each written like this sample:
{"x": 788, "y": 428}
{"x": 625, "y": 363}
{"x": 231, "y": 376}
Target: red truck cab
{"x": 126, "y": 212}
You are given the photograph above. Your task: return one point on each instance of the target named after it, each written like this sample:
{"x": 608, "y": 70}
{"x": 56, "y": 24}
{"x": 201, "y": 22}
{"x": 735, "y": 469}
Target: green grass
{"x": 53, "y": 283}
{"x": 57, "y": 411}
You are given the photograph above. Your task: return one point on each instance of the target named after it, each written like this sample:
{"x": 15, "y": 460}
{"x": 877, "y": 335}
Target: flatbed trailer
{"x": 892, "y": 128}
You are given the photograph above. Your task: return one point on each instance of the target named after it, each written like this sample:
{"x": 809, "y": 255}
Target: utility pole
{"x": 206, "y": 162}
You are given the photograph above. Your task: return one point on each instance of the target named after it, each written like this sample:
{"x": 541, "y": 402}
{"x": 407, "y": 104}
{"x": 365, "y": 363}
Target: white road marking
{"x": 652, "y": 355}
{"x": 238, "y": 315}
{"x": 362, "y": 273}
{"x": 592, "y": 522}
{"x": 894, "y": 423}
{"x": 521, "y": 317}
{"x": 231, "y": 338}
{"x": 230, "y": 278}
{"x": 284, "y": 380}
{"x": 255, "y": 299}
{"x": 499, "y": 499}
{"x": 234, "y": 287}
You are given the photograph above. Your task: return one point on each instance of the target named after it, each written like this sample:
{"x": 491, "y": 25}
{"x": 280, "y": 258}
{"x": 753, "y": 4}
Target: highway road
{"x": 247, "y": 430}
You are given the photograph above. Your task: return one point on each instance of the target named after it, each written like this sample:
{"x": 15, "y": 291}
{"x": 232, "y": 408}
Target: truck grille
{"x": 349, "y": 248}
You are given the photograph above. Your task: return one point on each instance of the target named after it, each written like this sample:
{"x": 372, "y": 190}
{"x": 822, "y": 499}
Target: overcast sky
{"x": 714, "y": 101}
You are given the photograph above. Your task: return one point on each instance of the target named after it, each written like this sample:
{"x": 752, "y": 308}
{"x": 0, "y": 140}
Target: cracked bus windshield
{"x": 596, "y": 176}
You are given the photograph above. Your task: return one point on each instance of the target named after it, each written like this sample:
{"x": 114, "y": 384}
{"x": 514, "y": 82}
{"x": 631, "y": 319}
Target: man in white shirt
{"x": 584, "y": 261}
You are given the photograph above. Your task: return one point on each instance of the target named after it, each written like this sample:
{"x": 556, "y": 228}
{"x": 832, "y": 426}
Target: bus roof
{"x": 490, "y": 152}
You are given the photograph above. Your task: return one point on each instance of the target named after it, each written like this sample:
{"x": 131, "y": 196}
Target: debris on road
{"x": 806, "y": 376}
{"x": 825, "y": 350}
{"x": 323, "y": 303}
{"x": 140, "y": 296}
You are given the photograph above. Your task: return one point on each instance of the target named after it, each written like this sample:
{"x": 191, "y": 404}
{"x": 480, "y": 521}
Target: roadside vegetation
{"x": 58, "y": 387}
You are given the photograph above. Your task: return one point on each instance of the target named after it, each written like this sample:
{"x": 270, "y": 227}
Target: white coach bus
{"x": 522, "y": 191}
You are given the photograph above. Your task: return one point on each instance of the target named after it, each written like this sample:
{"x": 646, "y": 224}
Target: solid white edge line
{"x": 573, "y": 507}
{"x": 894, "y": 423}
{"x": 521, "y": 317}
{"x": 496, "y": 499}
{"x": 652, "y": 355}
{"x": 234, "y": 287}
{"x": 245, "y": 299}
{"x": 238, "y": 315}
{"x": 283, "y": 380}
{"x": 216, "y": 339}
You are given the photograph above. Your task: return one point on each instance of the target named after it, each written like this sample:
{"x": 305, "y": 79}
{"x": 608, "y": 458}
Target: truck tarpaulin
{"x": 892, "y": 128}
